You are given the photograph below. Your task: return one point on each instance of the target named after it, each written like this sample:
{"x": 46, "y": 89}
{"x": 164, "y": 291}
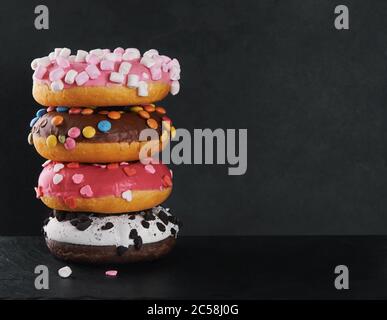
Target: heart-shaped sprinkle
{"x": 127, "y": 195}
{"x": 86, "y": 191}
{"x": 77, "y": 178}
{"x": 167, "y": 181}
{"x": 58, "y": 167}
{"x": 57, "y": 178}
{"x": 112, "y": 166}
{"x": 129, "y": 171}
{"x": 149, "y": 168}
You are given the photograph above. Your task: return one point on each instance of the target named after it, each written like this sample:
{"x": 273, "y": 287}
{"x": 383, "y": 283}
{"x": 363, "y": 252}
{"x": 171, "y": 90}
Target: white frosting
{"x": 118, "y": 235}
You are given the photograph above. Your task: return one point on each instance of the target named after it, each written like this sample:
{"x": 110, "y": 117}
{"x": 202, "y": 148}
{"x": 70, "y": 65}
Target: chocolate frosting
{"x": 125, "y": 129}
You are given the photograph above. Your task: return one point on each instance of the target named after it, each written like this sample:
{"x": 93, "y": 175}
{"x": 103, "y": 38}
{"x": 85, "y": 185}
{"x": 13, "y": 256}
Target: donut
{"x": 98, "y": 135}
{"x": 96, "y": 238}
{"x": 103, "y": 78}
{"x": 111, "y": 188}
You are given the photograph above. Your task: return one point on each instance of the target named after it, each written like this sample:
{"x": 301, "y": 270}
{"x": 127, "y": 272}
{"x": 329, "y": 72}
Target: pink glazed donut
{"x": 111, "y": 188}
{"x": 103, "y": 78}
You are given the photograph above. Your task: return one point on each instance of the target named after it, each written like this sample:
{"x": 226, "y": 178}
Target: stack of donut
{"x": 105, "y": 202}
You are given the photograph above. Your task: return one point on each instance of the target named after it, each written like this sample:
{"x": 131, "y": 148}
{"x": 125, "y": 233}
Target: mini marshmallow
{"x": 65, "y": 272}
{"x": 174, "y": 62}
{"x": 174, "y": 73}
{"x": 92, "y": 58}
{"x": 117, "y": 77}
{"x": 65, "y": 52}
{"x": 133, "y": 80}
{"x": 52, "y": 56}
{"x": 119, "y": 51}
{"x": 92, "y": 71}
{"x": 62, "y": 62}
{"x": 70, "y": 76}
{"x": 57, "y": 51}
{"x": 57, "y": 85}
{"x": 145, "y": 76}
{"x": 71, "y": 58}
{"x": 142, "y": 90}
{"x": 125, "y": 67}
{"x": 107, "y": 65}
{"x": 147, "y": 61}
{"x": 34, "y": 64}
{"x": 44, "y": 61}
{"x": 175, "y": 87}
{"x": 150, "y": 53}
{"x": 112, "y": 57}
{"x": 82, "y": 78}
{"x": 81, "y": 56}
{"x": 40, "y": 72}
{"x": 98, "y": 52}
{"x": 155, "y": 73}
{"x": 131, "y": 54}
{"x": 56, "y": 74}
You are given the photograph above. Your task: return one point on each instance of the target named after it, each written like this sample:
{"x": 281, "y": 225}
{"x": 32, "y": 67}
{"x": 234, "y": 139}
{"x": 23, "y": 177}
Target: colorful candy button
{"x": 74, "y": 132}
{"x": 149, "y": 108}
{"x": 144, "y": 114}
{"x": 104, "y": 126}
{"x": 51, "y": 141}
{"x": 69, "y": 144}
{"x": 161, "y": 110}
{"x": 75, "y": 110}
{"x": 62, "y": 138}
{"x": 41, "y": 112}
{"x": 87, "y": 111}
{"x": 61, "y": 109}
{"x": 152, "y": 123}
{"x": 88, "y": 132}
{"x": 57, "y": 120}
{"x": 49, "y": 109}
{"x": 33, "y": 121}
{"x": 115, "y": 115}
{"x": 136, "y": 109}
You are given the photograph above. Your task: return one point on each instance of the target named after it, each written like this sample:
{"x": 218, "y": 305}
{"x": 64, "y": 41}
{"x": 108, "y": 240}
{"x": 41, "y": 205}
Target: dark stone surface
{"x": 210, "y": 268}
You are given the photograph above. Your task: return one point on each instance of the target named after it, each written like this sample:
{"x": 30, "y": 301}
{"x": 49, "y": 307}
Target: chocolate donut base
{"x": 109, "y": 254}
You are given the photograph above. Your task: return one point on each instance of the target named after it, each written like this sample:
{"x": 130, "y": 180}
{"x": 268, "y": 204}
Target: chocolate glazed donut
{"x": 97, "y": 135}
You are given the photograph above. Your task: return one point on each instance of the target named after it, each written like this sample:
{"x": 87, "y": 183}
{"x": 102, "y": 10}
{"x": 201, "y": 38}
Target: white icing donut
{"x": 117, "y": 235}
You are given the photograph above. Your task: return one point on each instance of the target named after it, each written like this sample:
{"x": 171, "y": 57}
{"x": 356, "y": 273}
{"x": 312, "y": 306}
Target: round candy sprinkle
{"x": 87, "y": 111}
{"x": 62, "y": 138}
{"x": 161, "y": 110}
{"x": 144, "y": 114}
{"x": 61, "y": 109}
{"x": 57, "y": 120}
{"x": 149, "y": 108}
{"x": 51, "y": 141}
{"x": 104, "y": 126}
{"x": 33, "y": 121}
{"x": 136, "y": 109}
{"x": 69, "y": 144}
{"x": 65, "y": 272}
{"x": 88, "y": 132}
{"x": 75, "y": 110}
{"x": 30, "y": 139}
{"x": 152, "y": 123}
{"x": 74, "y": 132}
{"x": 41, "y": 112}
{"x": 115, "y": 115}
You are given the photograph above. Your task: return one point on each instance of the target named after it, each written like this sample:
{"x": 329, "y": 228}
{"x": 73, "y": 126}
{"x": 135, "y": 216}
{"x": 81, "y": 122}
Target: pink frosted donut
{"x": 103, "y": 78}
{"x": 112, "y": 188}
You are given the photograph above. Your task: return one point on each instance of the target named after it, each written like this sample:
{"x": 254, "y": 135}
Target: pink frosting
{"x": 164, "y": 70}
{"x": 93, "y": 180}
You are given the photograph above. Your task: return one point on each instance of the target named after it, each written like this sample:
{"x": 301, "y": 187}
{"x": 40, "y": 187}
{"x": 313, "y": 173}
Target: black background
{"x": 312, "y": 98}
